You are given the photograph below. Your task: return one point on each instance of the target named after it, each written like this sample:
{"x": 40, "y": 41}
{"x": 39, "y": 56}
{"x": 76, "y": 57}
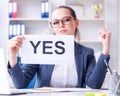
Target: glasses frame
{"x": 64, "y": 22}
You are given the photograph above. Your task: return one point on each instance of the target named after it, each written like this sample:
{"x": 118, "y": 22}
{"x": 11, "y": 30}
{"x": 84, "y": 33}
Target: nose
{"x": 61, "y": 24}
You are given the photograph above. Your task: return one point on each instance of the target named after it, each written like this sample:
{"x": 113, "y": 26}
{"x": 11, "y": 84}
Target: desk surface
{"x": 56, "y": 94}
{"x": 63, "y": 92}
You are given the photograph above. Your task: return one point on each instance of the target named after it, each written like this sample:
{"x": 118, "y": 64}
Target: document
{"x": 50, "y": 89}
{"x": 48, "y": 49}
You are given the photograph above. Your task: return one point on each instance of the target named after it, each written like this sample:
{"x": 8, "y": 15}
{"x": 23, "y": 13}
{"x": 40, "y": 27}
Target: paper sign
{"x": 48, "y": 49}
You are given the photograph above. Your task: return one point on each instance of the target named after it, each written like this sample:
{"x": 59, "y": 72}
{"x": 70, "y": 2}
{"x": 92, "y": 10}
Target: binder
{"x": 14, "y": 30}
{"x": 14, "y": 11}
{"x": 10, "y": 9}
{"x": 10, "y": 31}
{"x": 22, "y": 28}
{"x": 18, "y": 29}
{"x": 44, "y": 9}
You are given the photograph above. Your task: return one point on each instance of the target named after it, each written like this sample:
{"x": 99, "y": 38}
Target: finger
{"x": 104, "y": 36}
{"x": 16, "y": 43}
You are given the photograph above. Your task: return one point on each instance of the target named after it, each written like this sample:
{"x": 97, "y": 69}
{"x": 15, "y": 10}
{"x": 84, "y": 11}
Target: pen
{"x": 108, "y": 67}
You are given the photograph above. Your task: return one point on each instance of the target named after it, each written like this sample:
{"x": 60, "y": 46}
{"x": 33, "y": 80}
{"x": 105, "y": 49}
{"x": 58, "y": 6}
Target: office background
{"x": 113, "y": 25}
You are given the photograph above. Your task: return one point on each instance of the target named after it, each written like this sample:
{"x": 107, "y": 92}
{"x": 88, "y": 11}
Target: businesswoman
{"x": 84, "y": 72}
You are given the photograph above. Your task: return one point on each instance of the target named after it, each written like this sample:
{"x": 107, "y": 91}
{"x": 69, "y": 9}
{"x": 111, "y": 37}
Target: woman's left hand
{"x": 105, "y": 38}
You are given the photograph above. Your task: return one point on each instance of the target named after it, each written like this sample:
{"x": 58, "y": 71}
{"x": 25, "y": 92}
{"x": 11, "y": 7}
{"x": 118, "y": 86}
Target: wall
{"x": 112, "y": 17}
{"x": 118, "y": 36}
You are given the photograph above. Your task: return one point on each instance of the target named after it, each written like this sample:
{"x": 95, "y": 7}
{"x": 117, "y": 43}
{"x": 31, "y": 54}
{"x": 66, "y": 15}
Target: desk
{"x": 80, "y": 92}
{"x": 57, "y": 94}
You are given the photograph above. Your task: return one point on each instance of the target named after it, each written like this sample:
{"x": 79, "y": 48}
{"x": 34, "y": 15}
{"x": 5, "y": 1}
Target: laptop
{"x": 5, "y": 87}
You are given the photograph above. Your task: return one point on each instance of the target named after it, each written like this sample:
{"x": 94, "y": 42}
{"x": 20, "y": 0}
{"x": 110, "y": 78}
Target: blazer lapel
{"x": 79, "y": 60}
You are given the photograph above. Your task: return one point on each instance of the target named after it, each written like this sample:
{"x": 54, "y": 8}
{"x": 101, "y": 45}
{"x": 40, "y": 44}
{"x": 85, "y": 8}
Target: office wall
{"x": 118, "y": 22}
{"x": 112, "y": 18}
{"x": 4, "y": 25}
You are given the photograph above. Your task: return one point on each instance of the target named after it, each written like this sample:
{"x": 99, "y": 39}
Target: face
{"x": 63, "y": 23}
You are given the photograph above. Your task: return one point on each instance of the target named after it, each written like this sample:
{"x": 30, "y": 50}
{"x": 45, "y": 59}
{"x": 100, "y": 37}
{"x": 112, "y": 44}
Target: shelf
{"x": 28, "y": 19}
{"x": 92, "y": 19}
{"x": 86, "y": 2}
{"x": 94, "y": 42}
{"x": 47, "y": 19}
{"x": 84, "y": 8}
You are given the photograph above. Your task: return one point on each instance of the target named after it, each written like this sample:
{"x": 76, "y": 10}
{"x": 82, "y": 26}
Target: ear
{"x": 77, "y": 22}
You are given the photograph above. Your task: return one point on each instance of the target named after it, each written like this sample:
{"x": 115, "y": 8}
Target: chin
{"x": 62, "y": 34}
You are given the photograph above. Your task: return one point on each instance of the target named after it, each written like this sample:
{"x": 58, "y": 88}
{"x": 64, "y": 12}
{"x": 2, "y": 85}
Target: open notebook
{"x": 5, "y": 87}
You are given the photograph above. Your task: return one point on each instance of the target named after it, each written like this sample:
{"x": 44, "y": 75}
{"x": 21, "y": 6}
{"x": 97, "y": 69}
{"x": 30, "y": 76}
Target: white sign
{"x": 48, "y": 49}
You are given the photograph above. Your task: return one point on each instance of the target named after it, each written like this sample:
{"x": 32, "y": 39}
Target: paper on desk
{"x": 49, "y": 89}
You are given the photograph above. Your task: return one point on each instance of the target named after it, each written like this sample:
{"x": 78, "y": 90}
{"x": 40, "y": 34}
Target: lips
{"x": 62, "y": 31}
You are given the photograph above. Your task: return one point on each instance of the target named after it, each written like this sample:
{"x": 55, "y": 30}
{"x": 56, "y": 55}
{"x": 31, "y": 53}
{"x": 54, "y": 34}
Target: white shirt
{"x": 64, "y": 76}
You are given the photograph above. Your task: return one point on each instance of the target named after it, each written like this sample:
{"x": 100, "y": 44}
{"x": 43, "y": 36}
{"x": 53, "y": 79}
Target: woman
{"x": 85, "y": 71}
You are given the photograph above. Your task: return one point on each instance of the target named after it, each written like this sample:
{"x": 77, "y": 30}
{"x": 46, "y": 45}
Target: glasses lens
{"x": 55, "y": 22}
{"x": 64, "y": 20}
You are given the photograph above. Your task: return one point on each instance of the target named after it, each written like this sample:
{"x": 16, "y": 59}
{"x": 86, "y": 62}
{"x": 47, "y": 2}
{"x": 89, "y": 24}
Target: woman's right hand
{"x": 14, "y": 44}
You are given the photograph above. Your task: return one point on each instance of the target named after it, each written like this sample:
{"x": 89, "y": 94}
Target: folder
{"x": 14, "y": 11}
{"x": 10, "y": 31}
{"x": 10, "y": 9}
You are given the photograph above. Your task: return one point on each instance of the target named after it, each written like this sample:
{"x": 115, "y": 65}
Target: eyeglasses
{"x": 65, "y": 20}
